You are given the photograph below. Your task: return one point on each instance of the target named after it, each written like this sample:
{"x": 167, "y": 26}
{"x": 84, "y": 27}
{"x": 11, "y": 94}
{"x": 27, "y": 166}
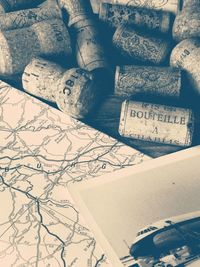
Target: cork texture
{"x": 187, "y": 24}
{"x": 147, "y": 80}
{"x": 40, "y": 77}
{"x": 157, "y": 123}
{"x": 11, "y": 5}
{"x": 77, "y": 10}
{"x": 190, "y": 3}
{"x": 21, "y": 45}
{"x": 76, "y": 92}
{"x": 115, "y": 15}
{"x": 90, "y": 53}
{"x": 140, "y": 46}
{"x": 27, "y": 17}
{"x": 165, "y": 5}
{"x": 186, "y": 56}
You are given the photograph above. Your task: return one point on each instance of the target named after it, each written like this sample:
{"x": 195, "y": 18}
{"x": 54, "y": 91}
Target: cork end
{"x": 181, "y": 51}
{"x": 76, "y": 93}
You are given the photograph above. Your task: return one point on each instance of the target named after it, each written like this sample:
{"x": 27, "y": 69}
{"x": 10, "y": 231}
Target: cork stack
{"x": 33, "y": 40}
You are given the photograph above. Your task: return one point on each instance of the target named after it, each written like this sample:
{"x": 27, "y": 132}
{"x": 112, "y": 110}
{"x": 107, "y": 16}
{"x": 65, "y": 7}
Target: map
{"x": 42, "y": 151}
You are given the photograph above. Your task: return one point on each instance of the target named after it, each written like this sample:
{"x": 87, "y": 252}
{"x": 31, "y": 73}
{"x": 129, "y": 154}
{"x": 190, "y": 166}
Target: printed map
{"x": 42, "y": 151}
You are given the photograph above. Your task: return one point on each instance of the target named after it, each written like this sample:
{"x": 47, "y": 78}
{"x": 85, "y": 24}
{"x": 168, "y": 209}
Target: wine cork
{"x": 140, "y": 46}
{"x": 190, "y": 3}
{"x": 157, "y": 123}
{"x": 40, "y": 76}
{"x": 186, "y": 56}
{"x": 27, "y": 17}
{"x": 76, "y": 9}
{"x": 166, "y": 5}
{"x": 11, "y": 5}
{"x": 187, "y": 24}
{"x": 90, "y": 53}
{"x": 74, "y": 90}
{"x": 76, "y": 93}
{"x": 19, "y": 46}
{"x": 115, "y": 15}
{"x": 147, "y": 80}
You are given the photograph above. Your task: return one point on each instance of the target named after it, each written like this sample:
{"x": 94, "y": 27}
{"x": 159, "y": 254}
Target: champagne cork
{"x": 147, "y": 80}
{"x": 74, "y": 90}
{"x": 115, "y": 15}
{"x": 187, "y": 23}
{"x": 40, "y": 76}
{"x": 157, "y": 123}
{"x": 164, "y": 5}
{"x": 90, "y": 52}
{"x": 186, "y": 56}
{"x": 19, "y": 46}
{"x": 76, "y": 9}
{"x": 11, "y": 5}
{"x": 27, "y": 17}
{"x": 140, "y": 46}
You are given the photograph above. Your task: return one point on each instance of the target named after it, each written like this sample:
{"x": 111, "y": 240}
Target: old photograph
{"x": 149, "y": 216}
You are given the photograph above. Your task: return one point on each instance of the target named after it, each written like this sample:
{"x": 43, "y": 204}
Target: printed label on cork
{"x": 156, "y": 123}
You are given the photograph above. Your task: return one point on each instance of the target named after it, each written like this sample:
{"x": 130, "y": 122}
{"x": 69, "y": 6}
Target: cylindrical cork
{"x": 166, "y": 5}
{"x": 147, "y": 80}
{"x": 157, "y": 123}
{"x": 27, "y": 17}
{"x": 76, "y": 92}
{"x": 115, "y": 15}
{"x": 140, "y": 46}
{"x": 11, "y": 5}
{"x": 90, "y": 53}
{"x": 187, "y": 24}
{"x": 186, "y": 56}
{"x": 76, "y": 9}
{"x": 40, "y": 77}
{"x": 190, "y": 3}
{"x": 19, "y": 46}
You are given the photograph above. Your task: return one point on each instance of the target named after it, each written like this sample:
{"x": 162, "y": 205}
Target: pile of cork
{"x": 74, "y": 52}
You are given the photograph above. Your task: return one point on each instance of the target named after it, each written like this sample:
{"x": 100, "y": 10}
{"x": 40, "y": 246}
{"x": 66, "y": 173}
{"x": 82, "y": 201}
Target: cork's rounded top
{"x": 5, "y": 56}
{"x": 188, "y": 47}
{"x": 76, "y": 92}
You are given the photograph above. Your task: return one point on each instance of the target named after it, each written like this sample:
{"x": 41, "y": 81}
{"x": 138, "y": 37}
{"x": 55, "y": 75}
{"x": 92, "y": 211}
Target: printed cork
{"x": 157, "y": 123}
